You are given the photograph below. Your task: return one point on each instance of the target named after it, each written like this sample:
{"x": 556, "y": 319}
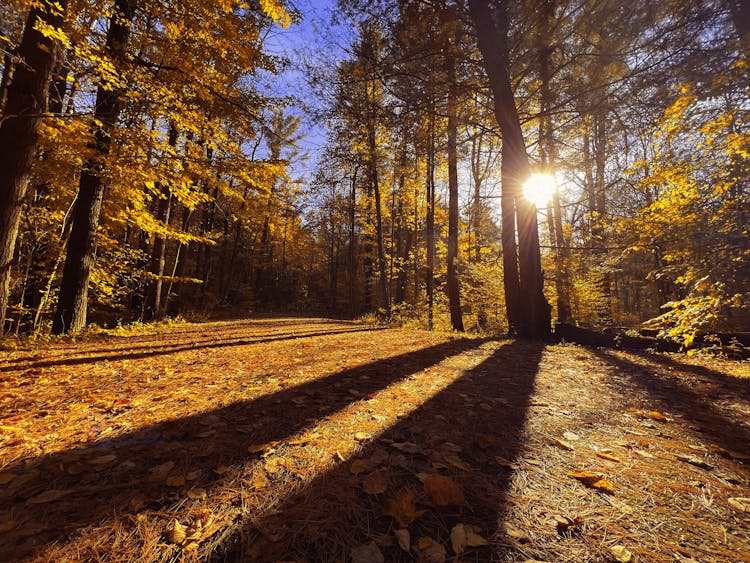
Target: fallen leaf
{"x": 49, "y": 496}
{"x": 367, "y": 553}
{"x": 430, "y": 551}
{"x": 175, "y": 481}
{"x": 473, "y": 539}
{"x": 443, "y": 491}
{"x": 458, "y": 539}
{"x": 572, "y": 436}
{"x": 531, "y": 461}
{"x": 76, "y": 468}
{"x": 361, "y": 436}
{"x": 375, "y": 483}
{"x": 402, "y": 509}
{"x": 564, "y": 524}
{"x": 740, "y": 503}
{"x": 196, "y": 493}
{"x": 514, "y": 532}
{"x": 158, "y": 473}
{"x": 608, "y": 457}
{"x": 176, "y": 532}
{"x": 593, "y": 480}
{"x": 359, "y": 466}
{"x": 656, "y": 415}
{"x": 562, "y": 444}
{"x": 457, "y": 462}
{"x": 103, "y": 460}
{"x": 621, "y": 554}
{"x": 222, "y": 469}
{"x": 407, "y": 447}
{"x": 404, "y": 539}
{"x": 6, "y": 477}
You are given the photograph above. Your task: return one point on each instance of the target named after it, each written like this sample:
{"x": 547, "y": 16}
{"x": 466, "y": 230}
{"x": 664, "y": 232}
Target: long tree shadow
{"x": 729, "y": 383}
{"x": 196, "y": 334}
{"x": 466, "y": 432}
{"x": 150, "y": 350}
{"x": 679, "y": 397}
{"x": 54, "y": 495}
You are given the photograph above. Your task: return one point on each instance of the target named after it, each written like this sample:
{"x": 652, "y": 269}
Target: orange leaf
{"x": 608, "y": 457}
{"x": 402, "y": 509}
{"x": 443, "y": 491}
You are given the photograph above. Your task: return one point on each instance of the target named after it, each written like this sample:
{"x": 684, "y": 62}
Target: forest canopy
{"x": 147, "y": 169}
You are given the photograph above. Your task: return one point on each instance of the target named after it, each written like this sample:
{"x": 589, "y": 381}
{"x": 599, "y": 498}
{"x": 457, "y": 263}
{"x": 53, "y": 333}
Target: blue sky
{"x": 314, "y": 42}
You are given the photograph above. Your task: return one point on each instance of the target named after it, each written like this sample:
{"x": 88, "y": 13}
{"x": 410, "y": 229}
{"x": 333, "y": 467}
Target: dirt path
{"x": 316, "y": 440}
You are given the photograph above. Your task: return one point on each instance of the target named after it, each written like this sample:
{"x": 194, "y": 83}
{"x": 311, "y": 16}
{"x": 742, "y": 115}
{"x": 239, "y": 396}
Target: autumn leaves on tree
{"x": 146, "y": 169}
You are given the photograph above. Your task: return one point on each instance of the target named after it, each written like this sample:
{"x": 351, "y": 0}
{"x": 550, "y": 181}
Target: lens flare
{"x": 539, "y": 189}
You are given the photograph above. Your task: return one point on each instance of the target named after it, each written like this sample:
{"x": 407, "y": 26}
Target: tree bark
{"x": 533, "y": 311}
{"x": 452, "y": 284}
{"x": 431, "y": 220}
{"x": 154, "y": 305}
{"x": 375, "y": 183}
{"x": 24, "y": 91}
{"x": 81, "y": 252}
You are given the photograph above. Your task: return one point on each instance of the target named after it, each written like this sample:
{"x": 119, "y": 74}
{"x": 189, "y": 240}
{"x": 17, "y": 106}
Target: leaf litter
{"x": 145, "y": 449}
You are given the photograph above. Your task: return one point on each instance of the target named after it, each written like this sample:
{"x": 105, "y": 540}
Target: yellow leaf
{"x": 176, "y": 533}
{"x": 621, "y": 554}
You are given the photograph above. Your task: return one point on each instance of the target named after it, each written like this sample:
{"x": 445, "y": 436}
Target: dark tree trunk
{"x": 431, "y": 220}
{"x": 533, "y": 320}
{"x": 375, "y": 182}
{"x": 24, "y": 92}
{"x": 452, "y": 284}
{"x": 353, "y": 246}
{"x": 154, "y": 306}
{"x": 81, "y": 252}
{"x": 548, "y": 158}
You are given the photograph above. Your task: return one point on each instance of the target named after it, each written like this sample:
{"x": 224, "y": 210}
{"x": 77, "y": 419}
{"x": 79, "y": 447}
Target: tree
{"x": 25, "y": 86}
{"x": 525, "y": 297}
{"x": 81, "y": 250}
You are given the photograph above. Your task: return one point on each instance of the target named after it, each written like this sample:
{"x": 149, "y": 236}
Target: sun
{"x": 539, "y": 189}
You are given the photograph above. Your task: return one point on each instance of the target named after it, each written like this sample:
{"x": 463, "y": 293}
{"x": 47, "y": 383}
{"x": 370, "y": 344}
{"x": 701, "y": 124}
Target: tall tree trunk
{"x": 476, "y": 206}
{"x": 81, "y": 252}
{"x": 533, "y": 310}
{"x": 24, "y": 92}
{"x": 452, "y": 284}
{"x": 431, "y": 219}
{"x": 375, "y": 182}
{"x": 353, "y": 245}
{"x": 154, "y": 305}
{"x": 548, "y": 158}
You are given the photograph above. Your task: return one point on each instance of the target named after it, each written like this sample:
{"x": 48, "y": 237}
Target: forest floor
{"x": 312, "y": 440}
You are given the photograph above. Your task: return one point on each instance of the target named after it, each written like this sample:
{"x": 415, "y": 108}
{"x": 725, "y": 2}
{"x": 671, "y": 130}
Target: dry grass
{"x": 293, "y": 440}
